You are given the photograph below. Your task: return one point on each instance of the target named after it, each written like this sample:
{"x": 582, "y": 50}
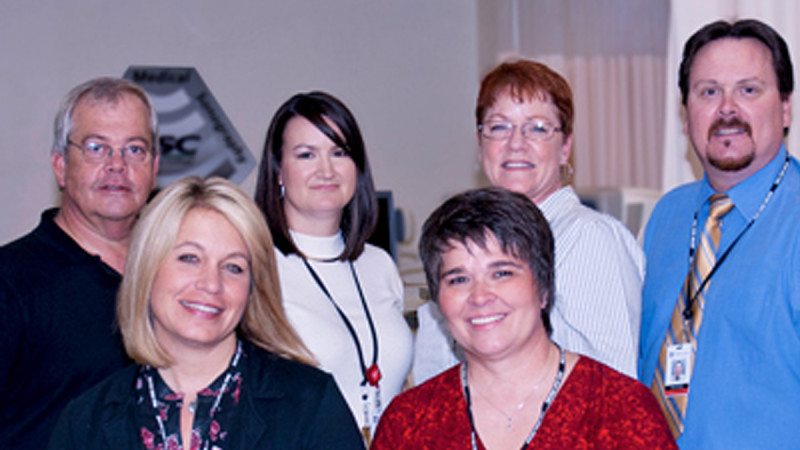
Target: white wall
{"x": 407, "y": 69}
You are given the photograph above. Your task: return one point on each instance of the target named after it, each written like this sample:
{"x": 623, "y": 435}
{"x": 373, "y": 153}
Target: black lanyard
{"x": 691, "y": 298}
{"x": 364, "y": 369}
{"x": 214, "y": 407}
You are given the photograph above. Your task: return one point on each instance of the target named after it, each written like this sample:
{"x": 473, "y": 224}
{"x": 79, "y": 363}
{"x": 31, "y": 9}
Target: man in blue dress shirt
{"x": 744, "y": 377}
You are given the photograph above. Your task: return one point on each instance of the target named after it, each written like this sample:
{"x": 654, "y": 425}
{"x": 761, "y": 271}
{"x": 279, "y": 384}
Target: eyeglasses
{"x": 96, "y": 151}
{"x": 534, "y": 130}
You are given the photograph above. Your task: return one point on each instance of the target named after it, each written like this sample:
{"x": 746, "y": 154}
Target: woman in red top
{"x": 488, "y": 258}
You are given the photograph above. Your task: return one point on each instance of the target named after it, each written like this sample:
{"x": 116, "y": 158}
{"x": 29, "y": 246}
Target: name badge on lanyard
{"x": 679, "y": 363}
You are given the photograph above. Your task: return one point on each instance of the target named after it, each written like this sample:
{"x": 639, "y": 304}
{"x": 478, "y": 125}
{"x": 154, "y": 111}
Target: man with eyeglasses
{"x": 58, "y": 284}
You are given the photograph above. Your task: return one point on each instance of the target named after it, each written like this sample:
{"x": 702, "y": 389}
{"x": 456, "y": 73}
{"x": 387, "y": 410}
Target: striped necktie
{"x": 675, "y": 361}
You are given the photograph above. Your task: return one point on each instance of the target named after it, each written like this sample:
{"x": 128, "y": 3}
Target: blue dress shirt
{"x": 745, "y": 389}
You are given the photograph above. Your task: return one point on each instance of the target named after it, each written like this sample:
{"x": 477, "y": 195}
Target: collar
{"x": 319, "y": 247}
{"x": 165, "y": 394}
{"x": 748, "y": 195}
{"x": 258, "y": 368}
{"x": 557, "y": 200}
{"x": 265, "y": 378}
{"x": 52, "y": 234}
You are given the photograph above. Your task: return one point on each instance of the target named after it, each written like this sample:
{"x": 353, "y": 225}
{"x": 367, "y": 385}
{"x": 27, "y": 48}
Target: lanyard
{"x": 214, "y": 407}
{"x": 370, "y": 374}
{"x": 562, "y": 364}
{"x": 691, "y": 298}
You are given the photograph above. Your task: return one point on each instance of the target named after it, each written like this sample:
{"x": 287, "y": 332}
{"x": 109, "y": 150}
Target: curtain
{"x": 619, "y": 103}
{"x": 612, "y": 52}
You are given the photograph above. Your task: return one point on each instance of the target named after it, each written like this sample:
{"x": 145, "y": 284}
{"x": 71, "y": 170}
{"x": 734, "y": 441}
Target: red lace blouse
{"x": 597, "y": 408}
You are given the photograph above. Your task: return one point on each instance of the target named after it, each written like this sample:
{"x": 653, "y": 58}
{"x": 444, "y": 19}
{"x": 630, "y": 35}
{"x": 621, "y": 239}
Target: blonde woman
{"x": 219, "y": 364}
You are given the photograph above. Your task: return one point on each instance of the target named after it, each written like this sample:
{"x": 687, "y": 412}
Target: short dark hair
{"x": 361, "y": 214}
{"x": 748, "y": 28}
{"x": 512, "y": 218}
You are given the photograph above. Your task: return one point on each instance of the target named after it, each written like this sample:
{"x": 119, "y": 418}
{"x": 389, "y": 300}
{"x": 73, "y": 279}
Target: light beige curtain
{"x": 621, "y": 58}
{"x": 612, "y": 52}
{"x": 619, "y": 104}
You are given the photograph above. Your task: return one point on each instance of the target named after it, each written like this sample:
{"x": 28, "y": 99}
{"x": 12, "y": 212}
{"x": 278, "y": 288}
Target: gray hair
{"x": 108, "y": 89}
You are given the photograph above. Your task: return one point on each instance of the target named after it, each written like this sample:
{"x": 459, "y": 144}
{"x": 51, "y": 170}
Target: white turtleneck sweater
{"x": 325, "y": 333}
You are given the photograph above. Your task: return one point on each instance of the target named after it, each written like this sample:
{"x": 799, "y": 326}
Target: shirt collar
{"x": 51, "y": 233}
{"x": 553, "y": 203}
{"x": 748, "y": 195}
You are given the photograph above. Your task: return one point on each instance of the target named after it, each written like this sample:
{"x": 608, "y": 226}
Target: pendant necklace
{"x": 371, "y": 375}
{"x": 193, "y": 405}
{"x": 562, "y": 365}
{"x": 510, "y": 417}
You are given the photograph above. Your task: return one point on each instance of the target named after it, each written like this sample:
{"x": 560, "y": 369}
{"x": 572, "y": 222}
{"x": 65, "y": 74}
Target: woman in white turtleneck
{"x": 343, "y": 296}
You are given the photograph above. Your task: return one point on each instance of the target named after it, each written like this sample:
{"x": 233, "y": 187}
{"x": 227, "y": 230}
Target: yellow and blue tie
{"x": 681, "y": 329}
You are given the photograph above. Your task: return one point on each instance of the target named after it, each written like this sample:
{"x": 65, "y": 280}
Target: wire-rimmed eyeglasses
{"x": 533, "y": 130}
{"x": 96, "y": 151}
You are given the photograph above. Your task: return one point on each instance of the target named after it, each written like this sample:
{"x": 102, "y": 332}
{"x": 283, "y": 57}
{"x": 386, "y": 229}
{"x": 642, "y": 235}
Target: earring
{"x": 567, "y": 172}
{"x": 282, "y": 190}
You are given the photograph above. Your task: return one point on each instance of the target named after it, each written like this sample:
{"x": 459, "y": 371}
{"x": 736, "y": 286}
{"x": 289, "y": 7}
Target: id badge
{"x": 678, "y": 370}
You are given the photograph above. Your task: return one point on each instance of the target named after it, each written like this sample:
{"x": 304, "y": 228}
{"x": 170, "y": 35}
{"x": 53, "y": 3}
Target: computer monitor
{"x": 631, "y": 206}
{"x": 389, "y": 228}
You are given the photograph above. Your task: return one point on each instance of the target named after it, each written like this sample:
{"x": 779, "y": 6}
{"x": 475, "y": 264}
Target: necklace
{"x": 562, "y": 364}
{"x": 193, "y": 405}
{"x": 521, "y": 404}
{"x": 371, "y": 375}
{"x": 509, "y": 417}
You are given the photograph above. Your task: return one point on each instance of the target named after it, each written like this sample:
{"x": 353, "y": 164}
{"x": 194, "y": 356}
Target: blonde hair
{"x": 263, "y": 323}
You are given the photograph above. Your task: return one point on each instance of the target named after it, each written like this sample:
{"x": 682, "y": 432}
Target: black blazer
{"x": 286, "y": 405}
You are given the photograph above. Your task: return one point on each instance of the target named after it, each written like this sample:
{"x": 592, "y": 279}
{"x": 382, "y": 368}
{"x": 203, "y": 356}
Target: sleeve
{"x": 434, "y": 349}
{"x": 397, "y": 286}
{"x": 64, "y": 433}
{"x": 333, "y": 425}
{"x": 602, "y": 278}
{"x": 793, "y": 284}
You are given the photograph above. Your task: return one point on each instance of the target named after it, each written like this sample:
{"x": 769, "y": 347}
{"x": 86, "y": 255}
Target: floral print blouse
{"x": 159, "y": 410}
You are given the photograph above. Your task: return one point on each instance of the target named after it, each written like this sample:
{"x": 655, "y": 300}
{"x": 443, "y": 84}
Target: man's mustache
{"x": 734, "y": 122}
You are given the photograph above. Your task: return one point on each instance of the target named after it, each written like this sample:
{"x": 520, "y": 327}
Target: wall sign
{"x": 196, "y": 136}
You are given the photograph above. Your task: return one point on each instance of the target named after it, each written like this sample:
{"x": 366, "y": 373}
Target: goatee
{"x": 736, "y": 162}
